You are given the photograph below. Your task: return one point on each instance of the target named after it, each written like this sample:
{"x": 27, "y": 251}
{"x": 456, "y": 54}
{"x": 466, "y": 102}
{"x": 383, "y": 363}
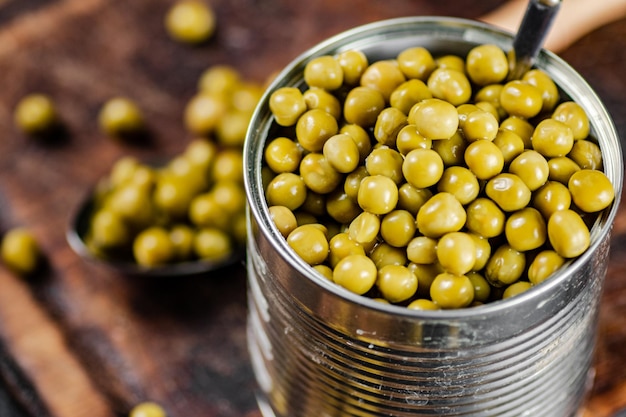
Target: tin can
{"x": 319, "y": 350}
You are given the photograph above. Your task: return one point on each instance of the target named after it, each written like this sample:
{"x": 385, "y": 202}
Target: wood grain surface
{"x": 80, "y": 340}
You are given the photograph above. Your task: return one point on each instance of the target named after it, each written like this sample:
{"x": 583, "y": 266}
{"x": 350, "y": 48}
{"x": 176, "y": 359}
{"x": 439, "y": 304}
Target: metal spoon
{"x": 531, "y": 34}
{"x": 79, "y": 227}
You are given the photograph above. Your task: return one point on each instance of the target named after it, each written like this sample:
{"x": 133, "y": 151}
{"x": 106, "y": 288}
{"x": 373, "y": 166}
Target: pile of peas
{"x": 432, "y": 182}
{"x": 192, "y": 207}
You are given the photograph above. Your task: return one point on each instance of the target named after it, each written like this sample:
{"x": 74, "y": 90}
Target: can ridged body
{"x": 319, "y": 350}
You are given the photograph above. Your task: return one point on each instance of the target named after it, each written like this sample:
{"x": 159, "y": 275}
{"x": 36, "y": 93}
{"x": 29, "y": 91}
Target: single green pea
{"x": 456, "y": 253}
{"x": 441, "y": 214}
{"x": 319, "y": 174}
{"x": 422, "y": 168}
{"x": 525, "y": 229}
{"x": 35, "y": 114}
{"x": 287, "y": 105}
{"x": 480, "y": 125}
{"x": 356, "y": 273}
{"x": 553, "y": 196}
{"x": 219, "y": 80}
{"x": 318, "y": 98}
{"x": 505, "y": 266}
{"x": 485, "y": 218}
{"x": 586, "y": 154}
{"x": 342, "y": 245}
{"x": 398, "y": 227}
{"x": 325, "y": 271}
{"x": 434, "y": 118}
{"x": 341, "y": 207}
{"x": 411, "y": 198}
{"x": 363, "y": 105}
{"x": 416, "y": 63}
{"x": 543, "y": 265}
{"x": 377, "y": 194}
{"x": 342, "y": 152}
{"x": 153, "y": 247}
{"x": 482, "y": 289}
{"x": 147, "y": 409}
{"x": 422, "y": 304}
{"x": 310, "y": 243}
{"x": 510, "y": 144}
{"x": 451, "y": 151}
{"x": 190, "y": 21}
{"x": 383, "y": 76}
{"x": 508, "y": 191}
{"x": 283, "y": 155}
{"x": 484, "y": 159}
{"x": 314, "y": 128}
{"x": 182, "y": 236}
{"x": 286, "y": 189}
{"x": 388, "y": 123}
{"x": 561, "y": 169}
{"x": 324, "y": 72}
{"x": 396, "y": 283}
{"x": 364, "y": 228}
{"x": 212, "y": 244}
{"x": 409, "y": 93}
{"x": 483, "y": 251}
{"x": 516, "y": 289}
{"x": 409, "y": 138}
{"x": 422, "y": 250}
{"x": 385, "y": 161}
{"x": 532, "y": 168}
{"x": 573, "y": 115}
{"x": 353, "y": 63}
{"x": 284, "y": 219}
{"x": 450, "y": 85}
{"x": 591, "y": 190}
{"x": 568, "y": 233}
{"x": 552, "y": 138}
{"x": 384, "y": 254}
{"x": 120, "y": 116}
{"x": 452, "y": 291}
{"x": 522, "y": 99}
{"x": 460, "y": 182}
{"x": 20, "y": 251}
{"x": 202, "y": 114}
{"x": 487, "y": 64}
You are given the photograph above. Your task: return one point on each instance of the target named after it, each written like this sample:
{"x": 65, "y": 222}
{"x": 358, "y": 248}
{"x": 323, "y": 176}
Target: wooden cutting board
{"x": 80, "y": 340}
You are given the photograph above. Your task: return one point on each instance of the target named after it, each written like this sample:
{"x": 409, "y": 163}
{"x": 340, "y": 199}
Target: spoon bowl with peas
{"x": 184, "y": 217}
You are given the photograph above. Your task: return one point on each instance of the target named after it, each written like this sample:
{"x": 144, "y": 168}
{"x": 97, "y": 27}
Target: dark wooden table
{"x": 83, "y": 341}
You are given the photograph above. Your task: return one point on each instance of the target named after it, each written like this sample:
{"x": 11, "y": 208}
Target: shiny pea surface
{"x": 445, "y": 185}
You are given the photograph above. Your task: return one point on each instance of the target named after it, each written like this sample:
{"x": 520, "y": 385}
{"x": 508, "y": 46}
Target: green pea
{"x": 396, "y": 283}
{"x": 441, "y": 214}
{"x": 452, "y": 291}
{"x": 356, "y": 273}
{"x": 591, "y": 190}
{"x": 568, "y": 233}
{"x": 456, "y": 252}
{"x": 324, "y": 72}
{"x": 20, "y": 251}
{"x": 35, "y": 114}
{"x": 377, "y": 194}
{"x": 310, "y": 243}
{"x": 190, "y": 21}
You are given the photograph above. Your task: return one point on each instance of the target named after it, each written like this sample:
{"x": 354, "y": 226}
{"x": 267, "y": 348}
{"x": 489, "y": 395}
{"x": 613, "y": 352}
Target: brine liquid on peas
{"x": 432, "y": 182}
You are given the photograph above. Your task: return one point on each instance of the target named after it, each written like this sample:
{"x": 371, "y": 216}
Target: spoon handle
{"x": 531, "y": 34}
